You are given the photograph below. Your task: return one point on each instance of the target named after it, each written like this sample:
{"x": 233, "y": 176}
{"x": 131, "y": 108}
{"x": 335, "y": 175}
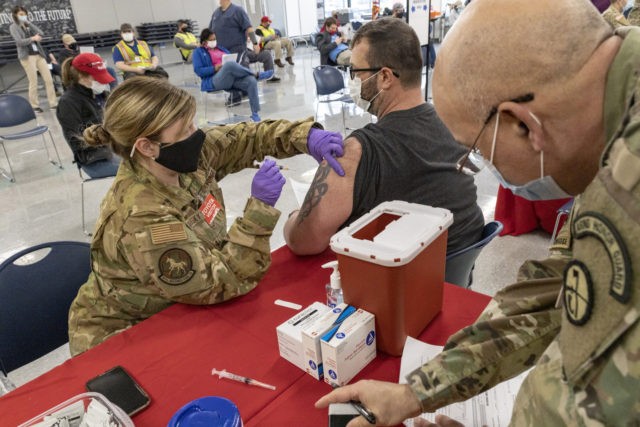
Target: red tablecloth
{"x": 172, "y": 353}
{"x": 521, "y": 216}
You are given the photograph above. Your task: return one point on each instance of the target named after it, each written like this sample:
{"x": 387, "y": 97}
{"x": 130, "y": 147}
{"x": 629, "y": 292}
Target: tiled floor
{"x": 44, "y": 202}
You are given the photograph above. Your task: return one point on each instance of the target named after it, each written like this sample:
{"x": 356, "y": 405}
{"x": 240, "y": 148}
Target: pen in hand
{"x": 367, "y": 414}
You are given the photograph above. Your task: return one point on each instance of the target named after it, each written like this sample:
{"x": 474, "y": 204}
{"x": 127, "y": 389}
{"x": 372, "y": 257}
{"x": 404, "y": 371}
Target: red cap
{"x": 93, "y": 65}
{"x": 265, "y": 19}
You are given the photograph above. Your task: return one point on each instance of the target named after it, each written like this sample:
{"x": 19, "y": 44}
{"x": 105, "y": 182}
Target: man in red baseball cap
{"x": 272, "y": 40}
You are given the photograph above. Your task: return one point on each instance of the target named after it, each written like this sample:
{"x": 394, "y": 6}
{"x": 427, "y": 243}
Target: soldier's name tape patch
{"x": 577, "y": 293}
{"x": 596, "y": 225}
{"x": 176, "y": 267}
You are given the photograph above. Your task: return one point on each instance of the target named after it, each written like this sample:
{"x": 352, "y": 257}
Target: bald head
{"x": 503, "y": 49}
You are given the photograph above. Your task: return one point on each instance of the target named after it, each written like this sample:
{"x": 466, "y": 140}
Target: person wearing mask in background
{"x": 135, "y": 57}
{"x": 270, "y": 40}
{"x": 333, "y": 47}
{"x": 87, "y": 81}
{"x": 634, "y": 14}
{"x": 556, "y": 115}
{"x": 407, "y": 155}
{"x": 397, "y": 11}
{"x": 214, "y": 75}
{"x": 185, "y": 40}
{"x": 162, "y": 236}
{"x": 71, "y": 49}
{"x": 32, "y": 57}
{"x": 613, "y": 15}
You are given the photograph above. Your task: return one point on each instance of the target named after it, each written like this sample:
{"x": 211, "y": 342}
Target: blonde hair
{"x": 140, "y": 107}
{"x": 70, "y": 74}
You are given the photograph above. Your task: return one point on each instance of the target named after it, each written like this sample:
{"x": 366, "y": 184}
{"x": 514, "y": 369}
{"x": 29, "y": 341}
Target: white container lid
{"x": 401, "y": 241}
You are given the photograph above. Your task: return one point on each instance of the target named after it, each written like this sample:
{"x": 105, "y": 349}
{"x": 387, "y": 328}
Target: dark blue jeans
{"x": 234, "y": 76}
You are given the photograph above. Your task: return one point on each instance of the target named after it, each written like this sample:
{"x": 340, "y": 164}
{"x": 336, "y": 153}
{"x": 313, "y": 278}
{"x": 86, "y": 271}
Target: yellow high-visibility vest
{"x": 187, "y": 38}
{"x": 130, "y": 57}
{"x": 266, "y": 32}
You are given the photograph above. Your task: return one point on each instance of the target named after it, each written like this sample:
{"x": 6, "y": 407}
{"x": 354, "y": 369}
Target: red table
{"x": 520, "y": 216}
{"x": 172, "y": 353}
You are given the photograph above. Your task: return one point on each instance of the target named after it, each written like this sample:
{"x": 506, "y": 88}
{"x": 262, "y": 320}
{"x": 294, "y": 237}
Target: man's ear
{"x": 147, "y": 148}
{"x": 529, "y": 123}
{"x": 387, "y": 78}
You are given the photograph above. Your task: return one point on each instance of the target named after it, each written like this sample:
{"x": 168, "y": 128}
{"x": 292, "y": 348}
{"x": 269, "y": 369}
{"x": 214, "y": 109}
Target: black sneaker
{"x": 38, "y": 110}
{"x": 273, "y": 79}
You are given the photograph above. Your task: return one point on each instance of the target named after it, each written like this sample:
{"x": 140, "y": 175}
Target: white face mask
{"x": 23, "y": 18}
{"x": 543, "y": 188}
{"x": 355, "y": 90}
{"x": 99, "y": 88}
{"x": 212, "y": 44}
{"x": 128, "y": 37}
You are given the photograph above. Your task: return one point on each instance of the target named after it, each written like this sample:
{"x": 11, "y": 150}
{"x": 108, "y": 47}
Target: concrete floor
{"x": 44, "y": 202}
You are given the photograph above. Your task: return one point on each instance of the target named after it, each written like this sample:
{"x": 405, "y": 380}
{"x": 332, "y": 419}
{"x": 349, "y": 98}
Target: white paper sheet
{"x": 492, "y": 408}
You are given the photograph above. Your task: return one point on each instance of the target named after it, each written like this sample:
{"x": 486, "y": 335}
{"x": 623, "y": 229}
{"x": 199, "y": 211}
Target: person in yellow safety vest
{"x": 184, "y": 40}
{"x": 271, "y": 40}
{"x": 135, "y": 57}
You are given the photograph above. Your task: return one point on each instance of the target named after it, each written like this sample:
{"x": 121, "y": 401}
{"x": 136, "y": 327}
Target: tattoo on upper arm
{"x": 318, "y": 189}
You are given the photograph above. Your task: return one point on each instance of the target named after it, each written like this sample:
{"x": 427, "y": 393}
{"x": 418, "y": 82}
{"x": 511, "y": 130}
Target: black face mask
{"x": 73, "y": 46}
{"x": 400, "y": 15}
{"x": 182, "y": 156}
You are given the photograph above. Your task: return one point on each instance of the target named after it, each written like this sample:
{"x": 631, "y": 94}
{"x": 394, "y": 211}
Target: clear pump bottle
{"x": 334, "y": 287}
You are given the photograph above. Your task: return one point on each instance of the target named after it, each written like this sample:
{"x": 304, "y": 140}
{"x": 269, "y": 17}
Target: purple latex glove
{"x": 326, "y": 145}
{"x": 267, "y": 183}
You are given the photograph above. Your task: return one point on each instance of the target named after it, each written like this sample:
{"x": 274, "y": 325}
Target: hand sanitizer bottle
{"x": 334, "y": 288}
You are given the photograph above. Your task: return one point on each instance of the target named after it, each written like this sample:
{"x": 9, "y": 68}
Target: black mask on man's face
{"x": 400, "y": 14}
{"x": 73, "y": 46}
{"x": 184, "y": 28}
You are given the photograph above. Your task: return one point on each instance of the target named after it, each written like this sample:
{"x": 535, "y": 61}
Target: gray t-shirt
{"x": 410, "y": 155}
{"x": 230, "y": 27}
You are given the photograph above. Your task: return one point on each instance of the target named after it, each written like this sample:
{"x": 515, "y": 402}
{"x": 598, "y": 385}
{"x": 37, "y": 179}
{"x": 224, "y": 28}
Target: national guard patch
{"x": 578, "y": 293}
{"x": 175, "y": 267}
{"x": 596, "y": 225}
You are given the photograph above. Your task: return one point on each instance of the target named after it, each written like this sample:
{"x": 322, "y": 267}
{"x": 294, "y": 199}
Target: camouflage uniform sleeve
{"x": 231, "y": 148}
{"x": 171, "y": 261}
{"x": 507, "y": 339}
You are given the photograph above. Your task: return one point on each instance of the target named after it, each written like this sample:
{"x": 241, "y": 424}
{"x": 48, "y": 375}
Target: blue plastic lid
{"x": 210, "y": 411}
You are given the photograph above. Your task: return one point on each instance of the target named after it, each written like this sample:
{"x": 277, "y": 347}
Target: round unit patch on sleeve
{"x": 175, "y": 267}
{"x": 578, "y": 293}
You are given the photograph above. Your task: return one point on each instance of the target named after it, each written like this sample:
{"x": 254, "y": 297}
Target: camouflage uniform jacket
{"x": 585, "y": 354}
{"x": 614, "y": 18}
{"x": 155, "y": 245}
{"x": 634, "y": 15}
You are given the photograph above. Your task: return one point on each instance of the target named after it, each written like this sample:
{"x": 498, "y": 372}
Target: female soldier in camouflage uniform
{"x": 162, "y": 235}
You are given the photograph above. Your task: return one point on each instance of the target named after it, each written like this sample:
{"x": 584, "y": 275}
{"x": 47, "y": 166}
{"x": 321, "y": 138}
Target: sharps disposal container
{"x": 392, "y": 263}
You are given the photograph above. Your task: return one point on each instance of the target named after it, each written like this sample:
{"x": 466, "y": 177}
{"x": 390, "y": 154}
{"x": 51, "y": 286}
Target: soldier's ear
{"x": 146, "y": 147}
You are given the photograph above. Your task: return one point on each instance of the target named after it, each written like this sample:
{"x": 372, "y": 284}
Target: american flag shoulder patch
{"x": 167, "y": 233}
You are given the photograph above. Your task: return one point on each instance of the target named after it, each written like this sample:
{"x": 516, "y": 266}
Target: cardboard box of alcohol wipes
{"x": 290, "y": 333}
{"x": 348, "y": 348}
{"x": 311, "y": 337}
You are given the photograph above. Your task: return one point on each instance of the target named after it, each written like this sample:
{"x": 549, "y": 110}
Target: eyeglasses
{"x": 472, "y": 161}
{"x": 353, "y": 71}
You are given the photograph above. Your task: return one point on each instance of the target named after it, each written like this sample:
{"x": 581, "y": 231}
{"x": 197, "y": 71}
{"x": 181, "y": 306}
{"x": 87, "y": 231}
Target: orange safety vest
{"x": 130, "y": 57}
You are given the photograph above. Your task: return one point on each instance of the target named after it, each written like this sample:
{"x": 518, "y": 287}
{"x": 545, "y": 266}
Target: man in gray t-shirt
{"x": 407, "y": 155}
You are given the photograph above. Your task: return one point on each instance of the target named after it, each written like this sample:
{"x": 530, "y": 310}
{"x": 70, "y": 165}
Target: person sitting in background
{"x": 87, "y": 81}
{"x": 613, "y": 15}
{"x": 407, "y": 155}
{"x": 135, "y": 57}
{"x": 334, "y": 15}
{"x": 634, "y": 14}
{"x": 162, "y": 236}
{"x": 184, "y": 40}
{"x": 333, "y": 47}
{"x": 207, "y": 64}
{"x": 32, "y": 57}
{"x": 271, "y": 40}
{"x": 71, "y": 50}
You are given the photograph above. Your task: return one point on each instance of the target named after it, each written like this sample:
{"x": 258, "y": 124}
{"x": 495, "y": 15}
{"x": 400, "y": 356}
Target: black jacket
{"x": 78, "y": 109}
{"x": 325, "y": 46}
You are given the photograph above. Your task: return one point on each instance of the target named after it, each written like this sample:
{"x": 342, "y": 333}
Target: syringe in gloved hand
{"x": 240, "y": 378}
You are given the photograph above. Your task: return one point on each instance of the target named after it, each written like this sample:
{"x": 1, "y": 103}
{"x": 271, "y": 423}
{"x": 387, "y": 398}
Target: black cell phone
{"x": 121, "y": 389}
{"x": 340, "y": 414}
